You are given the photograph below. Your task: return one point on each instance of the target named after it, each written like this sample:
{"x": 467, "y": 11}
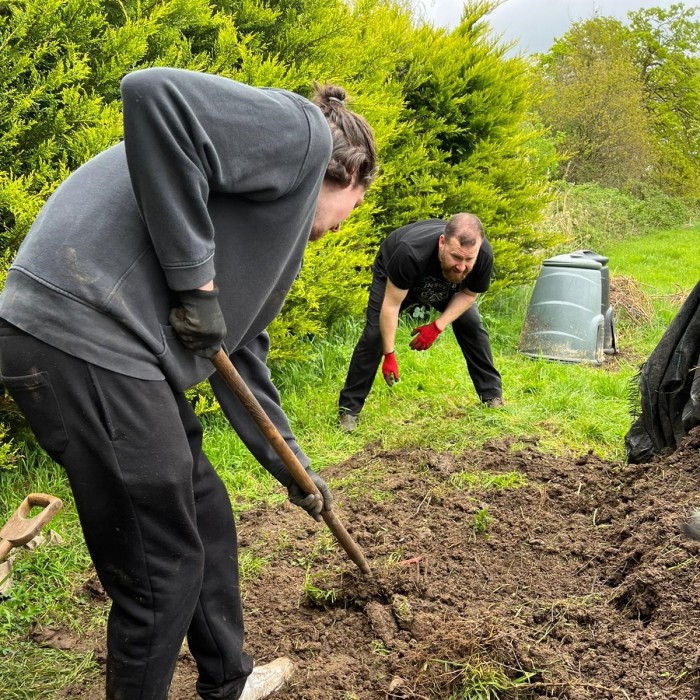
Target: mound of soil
{"x": 577, "y": 584}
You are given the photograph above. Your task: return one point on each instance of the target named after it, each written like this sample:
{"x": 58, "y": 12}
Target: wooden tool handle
{"x": 5, "y": 549}
{"x": 19, "y": 529}
{"x": 235, "y": 382}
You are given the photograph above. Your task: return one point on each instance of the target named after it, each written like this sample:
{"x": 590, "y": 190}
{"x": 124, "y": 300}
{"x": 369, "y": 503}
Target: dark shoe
{"x": 266, "y": 679}
{"x": 495, "y": 402}
{"x": 347, "y": 422}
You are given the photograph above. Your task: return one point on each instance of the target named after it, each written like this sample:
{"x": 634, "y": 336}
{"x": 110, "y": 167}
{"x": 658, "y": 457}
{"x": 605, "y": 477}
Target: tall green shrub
{"x": 49, "y": 120}
{"x": 449, "y": 111}
{"x": 469, "y": 105}
{"x": 59, "y": 88}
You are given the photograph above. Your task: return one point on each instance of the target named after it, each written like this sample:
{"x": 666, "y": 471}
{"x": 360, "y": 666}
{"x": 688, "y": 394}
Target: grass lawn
{"x": 564, "y": 407}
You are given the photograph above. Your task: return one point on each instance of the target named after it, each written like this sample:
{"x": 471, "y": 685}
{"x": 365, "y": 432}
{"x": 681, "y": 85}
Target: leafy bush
{"x": 449, "y": 110}
{"x": 623, "y": 99}
{"x": 590, "y": 216}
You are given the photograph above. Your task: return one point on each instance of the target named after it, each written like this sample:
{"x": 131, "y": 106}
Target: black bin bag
{"x": 668, "y": 387}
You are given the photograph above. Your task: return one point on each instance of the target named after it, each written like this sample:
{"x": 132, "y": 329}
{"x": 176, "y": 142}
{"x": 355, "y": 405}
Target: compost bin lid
{"x": 592, "y": 254}
{"x": 573, "y": 260}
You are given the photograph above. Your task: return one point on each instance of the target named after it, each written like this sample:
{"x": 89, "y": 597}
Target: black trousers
{"x": 156, "y": 517}
{"x": 472, "y": 337}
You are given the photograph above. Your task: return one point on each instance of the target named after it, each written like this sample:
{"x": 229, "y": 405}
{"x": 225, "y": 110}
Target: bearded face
{"x": 456, "y": 261}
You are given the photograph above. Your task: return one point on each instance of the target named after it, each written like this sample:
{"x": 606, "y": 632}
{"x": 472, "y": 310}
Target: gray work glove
{"x": 199, "y": 322}
{"x": 311, "y": 503}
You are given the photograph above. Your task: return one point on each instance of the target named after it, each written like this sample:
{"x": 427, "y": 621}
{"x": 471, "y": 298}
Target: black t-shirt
{"x": 410, "y": 257}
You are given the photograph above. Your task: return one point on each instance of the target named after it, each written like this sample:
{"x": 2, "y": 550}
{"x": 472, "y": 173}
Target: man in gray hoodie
{"x": 181, "y": 239}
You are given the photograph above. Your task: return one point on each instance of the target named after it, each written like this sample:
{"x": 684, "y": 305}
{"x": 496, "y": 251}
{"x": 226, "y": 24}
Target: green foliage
{"x": 623, "y": 101}
{"x": 62, "y": 63}
{"x": 8, "y": 452}
{"x": 317, "y": 588}
{"x": 482, "y": 521}
{"x": 482, "y": 679}
{"x": 488, "y": 480}
{"x": 202, "y": 399}
{"x": 250, "y": 566}
{"x": 331, "y": 286}
{"x": 667, "y": 57}
{"x": 449, "y": 110}
{"x": 591, "y": 216}
{"x": 594, "y": 102}
{"x": 48, "y": 116}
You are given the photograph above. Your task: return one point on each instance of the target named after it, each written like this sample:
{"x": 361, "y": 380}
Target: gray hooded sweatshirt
{"x": 214, "y": 180}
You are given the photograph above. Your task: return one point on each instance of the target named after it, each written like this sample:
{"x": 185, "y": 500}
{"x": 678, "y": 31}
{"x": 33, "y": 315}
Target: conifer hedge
{"x": 450, "y": 112}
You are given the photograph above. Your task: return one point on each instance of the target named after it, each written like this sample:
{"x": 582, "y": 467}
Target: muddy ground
{"x": 578, "y": 585}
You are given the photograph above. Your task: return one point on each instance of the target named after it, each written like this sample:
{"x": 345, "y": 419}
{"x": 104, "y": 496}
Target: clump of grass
{"x": 250, "y": 565}
{"x": 401, "y": 606}
{"x": 315, "y": 590}
{"x": 378, "y": 647}
{"x": 325, "y": 544}
{"x": 482, "y": 521}
{"x": 47, "y": 673}
{"x": 489, "y": 480}
{"x": 481, "y": 680}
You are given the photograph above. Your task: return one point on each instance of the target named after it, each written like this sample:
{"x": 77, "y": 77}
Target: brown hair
{"x": 354, "y": 152}
{"x": 466, "y": 228}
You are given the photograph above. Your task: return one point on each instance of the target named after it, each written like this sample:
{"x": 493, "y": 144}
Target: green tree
{"x": 666, "y": 45}
{"x": 594, "y": 104}
{"x": 449, "y": 110}
{"x": 623, "y": 101}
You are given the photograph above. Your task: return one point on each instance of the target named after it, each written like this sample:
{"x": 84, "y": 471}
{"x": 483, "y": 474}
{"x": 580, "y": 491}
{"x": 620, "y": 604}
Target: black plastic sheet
{"x": 668, "y": 387}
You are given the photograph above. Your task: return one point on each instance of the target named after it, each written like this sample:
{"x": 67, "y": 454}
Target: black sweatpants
{"x": 156, "y": 517}
{"x": 472, "y": 337}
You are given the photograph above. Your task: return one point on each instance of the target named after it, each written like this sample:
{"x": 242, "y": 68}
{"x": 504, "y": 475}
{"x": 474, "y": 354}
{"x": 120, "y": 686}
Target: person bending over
{"x": 442, "y": 265}
{"x": 179, "y": 241}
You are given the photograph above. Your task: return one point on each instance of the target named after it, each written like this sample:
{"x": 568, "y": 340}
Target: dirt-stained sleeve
{"x": 187, "y": 134}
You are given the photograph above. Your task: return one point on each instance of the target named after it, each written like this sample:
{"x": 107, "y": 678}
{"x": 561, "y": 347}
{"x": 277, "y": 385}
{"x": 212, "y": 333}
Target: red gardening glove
{"x": 425, "y": 336}
{"x": 390, "y": 369}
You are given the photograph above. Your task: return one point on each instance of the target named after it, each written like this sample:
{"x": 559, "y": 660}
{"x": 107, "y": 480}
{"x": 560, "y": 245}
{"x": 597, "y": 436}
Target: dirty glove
{"x": 199, "y": 322}
{"x": 390, "y": 368}
{"x": 311, "y": 503}
{"x": 425, "y": 336}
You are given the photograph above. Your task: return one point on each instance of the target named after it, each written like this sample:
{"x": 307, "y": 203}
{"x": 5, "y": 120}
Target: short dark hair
{"x": 354, "y": 151}
{"x": 466, "y": 228}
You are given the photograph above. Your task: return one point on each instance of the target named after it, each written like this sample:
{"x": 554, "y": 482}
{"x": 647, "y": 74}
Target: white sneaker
{"x": 266, "y": 679}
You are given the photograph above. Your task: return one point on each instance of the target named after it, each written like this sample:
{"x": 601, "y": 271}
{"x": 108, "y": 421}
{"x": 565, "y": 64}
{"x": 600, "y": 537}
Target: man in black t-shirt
{"x": 430, "y": 263}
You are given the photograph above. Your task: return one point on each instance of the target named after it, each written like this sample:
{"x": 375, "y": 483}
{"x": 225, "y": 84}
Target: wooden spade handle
{"x": 235, "y": 382}
{"x": 19, "y": 529}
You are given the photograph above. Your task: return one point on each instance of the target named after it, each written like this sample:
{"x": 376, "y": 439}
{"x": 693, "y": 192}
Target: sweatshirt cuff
{"x": 191, "y": 277}
{"x": 282, "y": 474}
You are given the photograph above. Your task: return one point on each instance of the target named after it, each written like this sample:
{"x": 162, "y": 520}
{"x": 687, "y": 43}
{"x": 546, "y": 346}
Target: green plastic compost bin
{"x": 564, "y": 320}
{"x": 609, "y": 336}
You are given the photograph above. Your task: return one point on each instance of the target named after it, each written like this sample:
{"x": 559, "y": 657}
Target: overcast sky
{"x": 534, "y": 24}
